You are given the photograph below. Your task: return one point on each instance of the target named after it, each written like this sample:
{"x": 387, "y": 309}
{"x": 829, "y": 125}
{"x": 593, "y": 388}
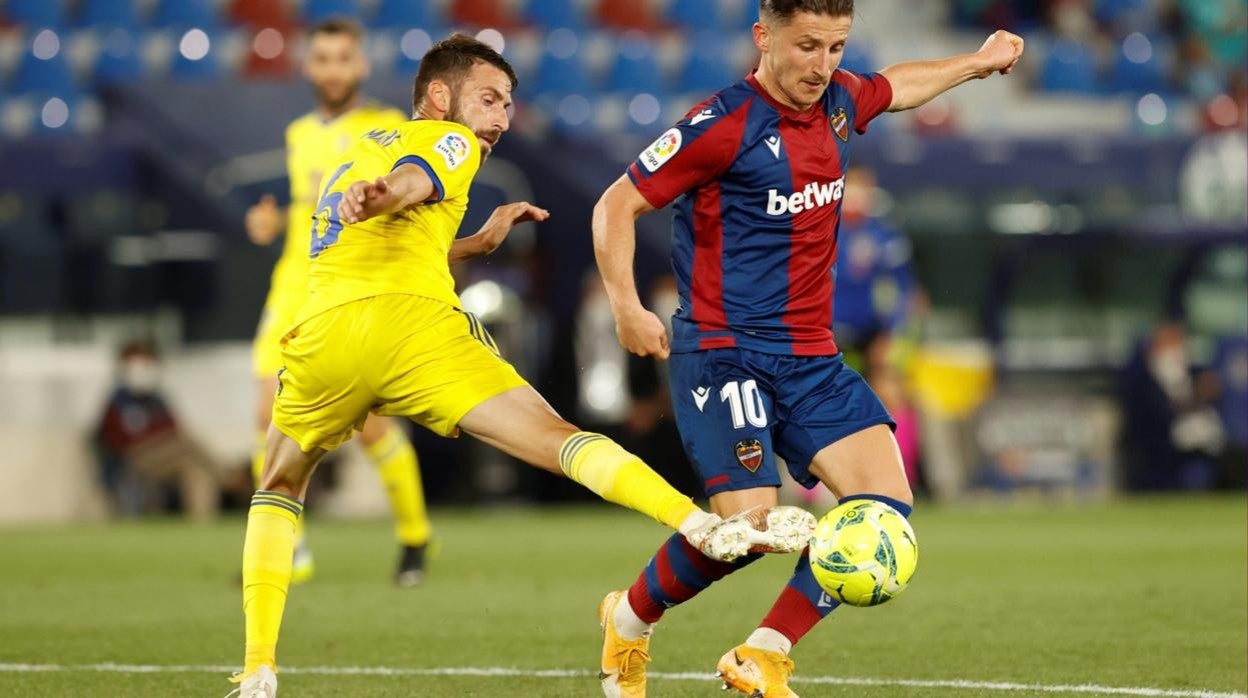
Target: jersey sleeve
{"x": 699, "y": 148}
{"x": 449, "y": 153}
{"x": 871, "y": 93}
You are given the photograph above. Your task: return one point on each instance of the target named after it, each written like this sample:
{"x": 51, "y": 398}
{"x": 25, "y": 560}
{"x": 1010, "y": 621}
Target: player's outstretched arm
{"x": 615, "y": 241}
{"x": 495, "y": 230}
{"x": 407, "y": 185}
{"x": 915, "y": 83}
{"x": 265, "y": 220}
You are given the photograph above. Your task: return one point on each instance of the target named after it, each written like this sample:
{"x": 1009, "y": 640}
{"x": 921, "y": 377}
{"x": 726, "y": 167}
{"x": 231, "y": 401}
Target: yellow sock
{"x": 622, "y": 478}
{"x": 257, "y": 470}
{"x": 396, "y": 463}
{"x": 267, "y": 552}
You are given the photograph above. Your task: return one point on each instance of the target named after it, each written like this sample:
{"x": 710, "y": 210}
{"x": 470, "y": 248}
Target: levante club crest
{"x": 750, "y": 454}
{"x": 840, "y": 123}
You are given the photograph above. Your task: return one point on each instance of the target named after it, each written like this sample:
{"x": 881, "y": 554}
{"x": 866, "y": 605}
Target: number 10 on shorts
{"x": 745, "y": 403}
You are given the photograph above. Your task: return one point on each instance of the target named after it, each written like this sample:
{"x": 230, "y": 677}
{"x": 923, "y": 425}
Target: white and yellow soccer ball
{"x": 863, "y": 553}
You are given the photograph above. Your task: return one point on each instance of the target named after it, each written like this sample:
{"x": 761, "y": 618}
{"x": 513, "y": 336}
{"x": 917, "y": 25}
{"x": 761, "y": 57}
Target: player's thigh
{"x": 837, "y": 431}
{"x": 725, "y": 414}
{"x": 266, "y": 390}
{"x": 520, "y": 423}
{"x": 866, "y": 462}
{"x": 375, "y": 427}
{"x": 439, "y": 364}
{"x": 275, "y": 320}
{"x": 322, "y": 394}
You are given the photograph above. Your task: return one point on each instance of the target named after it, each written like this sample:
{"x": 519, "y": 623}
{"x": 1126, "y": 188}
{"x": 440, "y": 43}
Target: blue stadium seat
{"x": 562, "y": 75}
{"x": 561, "y": 68}
{"x": 708, "y": 66}
{"x": 635, "y": 68}
{"x": 320, "y": 10}
{"x": 120, "y": 61}
{"x": 702, "y": 14}
{"x": 571, "y": 114}
{"x": 47, "y": 74}
{"x": 1138, "y": 66}
{"x": 1118, "y": 11}
{"x": 1069, "y": 67}
{"x": 403, "y": 14}
{"x": 192, "y": 66}
{"x": 37, "y": 13}
{"x": 58, "y": 118}
{"x": 858, "y": 57}
{"x": 186, "y": 13}
{"x": 412, "y": 45}
{"x": 109, "y": 13}
{"x": 554, "y": 13}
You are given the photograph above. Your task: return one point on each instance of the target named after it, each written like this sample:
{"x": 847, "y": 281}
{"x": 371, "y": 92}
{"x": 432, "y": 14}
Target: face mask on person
{"x": 140, "y": 375}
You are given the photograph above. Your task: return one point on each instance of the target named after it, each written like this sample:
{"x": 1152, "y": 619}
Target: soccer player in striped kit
{"x": 757, "y": 175}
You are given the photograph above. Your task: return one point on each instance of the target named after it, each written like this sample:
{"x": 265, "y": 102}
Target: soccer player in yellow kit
{"x": 336, "y": 67}
{"x": 382, "y": 330}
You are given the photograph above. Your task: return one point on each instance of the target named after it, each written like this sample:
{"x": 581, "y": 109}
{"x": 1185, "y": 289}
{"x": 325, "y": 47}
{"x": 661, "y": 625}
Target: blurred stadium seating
{"x": 1107, "y": 47}
{"x": 1088, "y": 198}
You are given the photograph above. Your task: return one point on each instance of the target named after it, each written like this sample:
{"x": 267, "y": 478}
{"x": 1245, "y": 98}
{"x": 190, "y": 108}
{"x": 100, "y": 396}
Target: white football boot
{"x": 779, "y": 529}
{"x": 261, "y": 683}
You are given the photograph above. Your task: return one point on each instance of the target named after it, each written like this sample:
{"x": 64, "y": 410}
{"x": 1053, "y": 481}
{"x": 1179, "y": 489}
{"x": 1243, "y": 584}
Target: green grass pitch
{"x": 1138, "y": 593}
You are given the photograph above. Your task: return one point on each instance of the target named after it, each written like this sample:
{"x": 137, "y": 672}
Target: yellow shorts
{"x": 266, "y": 351}
{"x": 392, "y": 354}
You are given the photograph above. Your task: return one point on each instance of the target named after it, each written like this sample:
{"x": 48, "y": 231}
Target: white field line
{"x": 955, "y": 684}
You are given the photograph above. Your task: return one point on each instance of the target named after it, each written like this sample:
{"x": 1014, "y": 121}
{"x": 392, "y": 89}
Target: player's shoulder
{"x": 452, "y": 142}
{"x": 730, "y": 100}
{"x": 850, "y": 82}
{"x": 380, "y": 114}
{"x": 303, "y": 124}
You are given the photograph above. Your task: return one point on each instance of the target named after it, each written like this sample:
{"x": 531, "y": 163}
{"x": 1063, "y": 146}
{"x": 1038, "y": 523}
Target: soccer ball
{"x": 863, "y": 553}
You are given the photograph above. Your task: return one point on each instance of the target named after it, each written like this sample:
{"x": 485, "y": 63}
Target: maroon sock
{"x": 802, "y": 603}
{"x": 676, "y": 573}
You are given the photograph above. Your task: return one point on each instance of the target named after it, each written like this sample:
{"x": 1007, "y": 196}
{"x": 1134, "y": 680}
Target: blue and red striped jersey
{"x": 754, "y": 235}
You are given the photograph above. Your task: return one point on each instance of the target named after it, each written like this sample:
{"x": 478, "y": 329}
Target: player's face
{"x": 802, "y": 54}
{"x": 336, "y": 67}
{"x": 483, "y": 104}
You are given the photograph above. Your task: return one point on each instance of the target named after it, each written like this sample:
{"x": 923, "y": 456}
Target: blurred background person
{"x": 148, "y": 463}
{"x": 1172, "y": 435}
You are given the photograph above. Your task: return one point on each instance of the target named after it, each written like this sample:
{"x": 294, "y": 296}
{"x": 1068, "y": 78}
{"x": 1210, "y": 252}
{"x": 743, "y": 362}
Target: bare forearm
{"x": 916, "y": 83}
{"x": 471, "y": 247}
{"x": 615, "y": 243}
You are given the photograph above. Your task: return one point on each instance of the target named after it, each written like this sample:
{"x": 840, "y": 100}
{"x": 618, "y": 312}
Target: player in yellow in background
{"x": 336, "y": 67}
{"x": 382, "y": 330}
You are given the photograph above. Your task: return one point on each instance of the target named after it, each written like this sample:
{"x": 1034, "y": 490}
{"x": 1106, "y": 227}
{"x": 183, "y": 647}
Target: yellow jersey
{"x": 313, "y": 146}
{"x": 403, "y": 252}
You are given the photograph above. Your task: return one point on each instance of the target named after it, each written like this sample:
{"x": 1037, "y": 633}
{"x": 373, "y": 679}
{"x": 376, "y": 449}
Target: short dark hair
{"x": 783, "y": 10}
{"x": 450, "y": 59}
{"x": 338, "y": 25}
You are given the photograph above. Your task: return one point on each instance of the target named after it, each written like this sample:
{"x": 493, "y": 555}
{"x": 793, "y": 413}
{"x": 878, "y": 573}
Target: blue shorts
{"x": 738, "y": 409}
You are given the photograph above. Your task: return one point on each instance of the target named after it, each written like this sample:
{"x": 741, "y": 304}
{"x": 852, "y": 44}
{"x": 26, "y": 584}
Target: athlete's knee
{"x": 287, "y": 469}
{"x": 903, "y": 494}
